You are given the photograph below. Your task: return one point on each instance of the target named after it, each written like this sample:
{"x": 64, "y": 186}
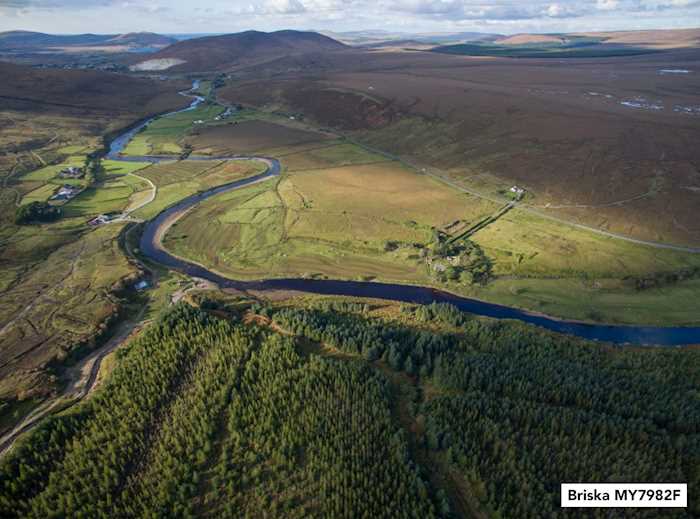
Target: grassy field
{"x": 176, "y": 180}
{"x": 522, "y": 244}
{"x": 114, "y": 193}
{"x": 60, "y": 301}
{"x": 333, "y": 221}
{"x": 163, "y": 136}
{"x": 337, "y": 206}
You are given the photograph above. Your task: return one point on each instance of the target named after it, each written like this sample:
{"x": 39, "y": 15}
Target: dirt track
{"x": 82, "y": 381}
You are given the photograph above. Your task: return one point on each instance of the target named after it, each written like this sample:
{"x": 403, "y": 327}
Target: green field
{"x": 113, "y": 193}
{"x": 177, "y": 180}
{"x": 326, "y": 218}
{"x": 48, "y": 173}
{"x": 324, "y": 221}
{"x": 163, "y": 135}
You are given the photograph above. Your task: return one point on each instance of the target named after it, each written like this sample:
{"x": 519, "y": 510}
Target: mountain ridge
{"x": 230, "y": 50}
{"x": 32, "y": 41}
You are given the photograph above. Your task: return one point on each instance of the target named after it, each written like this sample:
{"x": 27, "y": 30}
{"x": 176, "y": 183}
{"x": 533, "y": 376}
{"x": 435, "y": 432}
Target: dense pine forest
{"x": 517, "y": 411}
{"x": 335, "y": 409}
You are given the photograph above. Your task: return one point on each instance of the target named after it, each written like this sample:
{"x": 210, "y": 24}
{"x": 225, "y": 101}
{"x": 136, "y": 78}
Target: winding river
{"x": 155, "y": 229}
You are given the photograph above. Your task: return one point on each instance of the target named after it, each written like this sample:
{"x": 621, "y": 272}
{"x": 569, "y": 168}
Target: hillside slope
{"x": 41, "y": 90}
{"x": 34, "y": 41}
{"x": 662, "y": 39}
{"x": 230, "y": 50}
{"x": 49, "y": 118}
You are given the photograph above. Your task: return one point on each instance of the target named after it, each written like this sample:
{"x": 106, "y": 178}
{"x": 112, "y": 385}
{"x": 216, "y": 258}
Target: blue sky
{"x": 201, "y": 16}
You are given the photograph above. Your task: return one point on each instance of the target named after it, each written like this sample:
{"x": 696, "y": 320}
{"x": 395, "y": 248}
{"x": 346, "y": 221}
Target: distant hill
{"x": 661, "y": 39}
{"x": 384, "y": 38}
{"x": 652, "y": 39}
{"x": 230, "y": 50}
{"x": 579, "y": 45}
{"x": 28, "y": 41}
{"x": 400, "y": 44}
{"x": 528, "y": 39}
{"x": 143, "y": 39}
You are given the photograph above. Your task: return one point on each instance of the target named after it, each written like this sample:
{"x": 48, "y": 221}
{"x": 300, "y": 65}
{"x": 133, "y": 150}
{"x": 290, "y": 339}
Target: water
{"x": 151, "y": 248}
{"x": 118, "y": 145}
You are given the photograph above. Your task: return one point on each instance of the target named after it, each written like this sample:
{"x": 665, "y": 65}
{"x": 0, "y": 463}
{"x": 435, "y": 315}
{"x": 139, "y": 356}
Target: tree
{"x": 37, "y": 212}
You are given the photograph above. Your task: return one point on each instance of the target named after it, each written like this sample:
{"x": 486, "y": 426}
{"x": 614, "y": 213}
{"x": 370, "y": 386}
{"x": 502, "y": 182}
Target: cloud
{"x": 607, "y": 5}
{"x": 346, "y": 15}
{"x": 493, "y": 11}
{"x": 559, "y": 10}
{"x": 285, "y": 6}
{"x": 659, "y": 5}
{"x": 53, "y": 4}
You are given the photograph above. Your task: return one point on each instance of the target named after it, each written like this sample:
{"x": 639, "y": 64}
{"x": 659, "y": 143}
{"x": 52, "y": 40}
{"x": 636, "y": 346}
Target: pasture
{"x": 177, "y": 180}
{"x": 526, "y": 245}
{"x": 116, "y": 191}
{"x": 163, "y": 136}
{"x": 331, "y": 222}
{"x": 332, "y": 218}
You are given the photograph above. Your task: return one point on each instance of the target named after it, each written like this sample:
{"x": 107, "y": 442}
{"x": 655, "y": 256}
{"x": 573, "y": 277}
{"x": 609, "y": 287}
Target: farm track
{"x": 82, "y": 380}
{"x": 151, "y": 198}
{"x": 528, "y": 208}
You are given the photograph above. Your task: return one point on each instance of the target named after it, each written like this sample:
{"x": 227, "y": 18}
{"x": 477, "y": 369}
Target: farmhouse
{"x": 66, "y": 192}
{"x": 100, "y": 220}
{"x": 71, "y": 172}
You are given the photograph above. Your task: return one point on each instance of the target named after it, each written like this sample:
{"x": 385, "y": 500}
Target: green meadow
{"x": 163, "y": 135}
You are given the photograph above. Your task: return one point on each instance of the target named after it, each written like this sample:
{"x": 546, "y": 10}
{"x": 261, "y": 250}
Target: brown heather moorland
{"x": 558, "y": 127}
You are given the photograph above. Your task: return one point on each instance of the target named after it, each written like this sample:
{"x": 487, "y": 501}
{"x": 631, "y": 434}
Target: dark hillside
{"x": 220, "y": 52}
{"x": 28, "y": 89}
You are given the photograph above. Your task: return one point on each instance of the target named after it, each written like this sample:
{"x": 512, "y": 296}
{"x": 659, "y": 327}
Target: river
{"x": 152, "y": 248}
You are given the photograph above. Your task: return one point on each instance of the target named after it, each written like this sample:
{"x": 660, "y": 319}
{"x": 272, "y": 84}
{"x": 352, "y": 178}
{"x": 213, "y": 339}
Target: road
{"x": 82, "y": 380}
{"x": 151, "y": 198}
{"x": 520, "y": 205}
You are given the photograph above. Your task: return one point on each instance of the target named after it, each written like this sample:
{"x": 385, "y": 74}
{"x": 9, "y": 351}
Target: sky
{"x": 410, "y": 16}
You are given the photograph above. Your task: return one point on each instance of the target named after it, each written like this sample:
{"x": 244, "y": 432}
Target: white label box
{"x": 624, "y": 495}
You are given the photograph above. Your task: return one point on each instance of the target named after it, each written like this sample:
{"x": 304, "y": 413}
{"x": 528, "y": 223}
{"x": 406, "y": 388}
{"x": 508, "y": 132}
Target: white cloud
{"x": 559, "y": 10}
{"x": 607, "y": 5}
{"x": 407, "y": 15}
{"x": 285, "y": 6}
